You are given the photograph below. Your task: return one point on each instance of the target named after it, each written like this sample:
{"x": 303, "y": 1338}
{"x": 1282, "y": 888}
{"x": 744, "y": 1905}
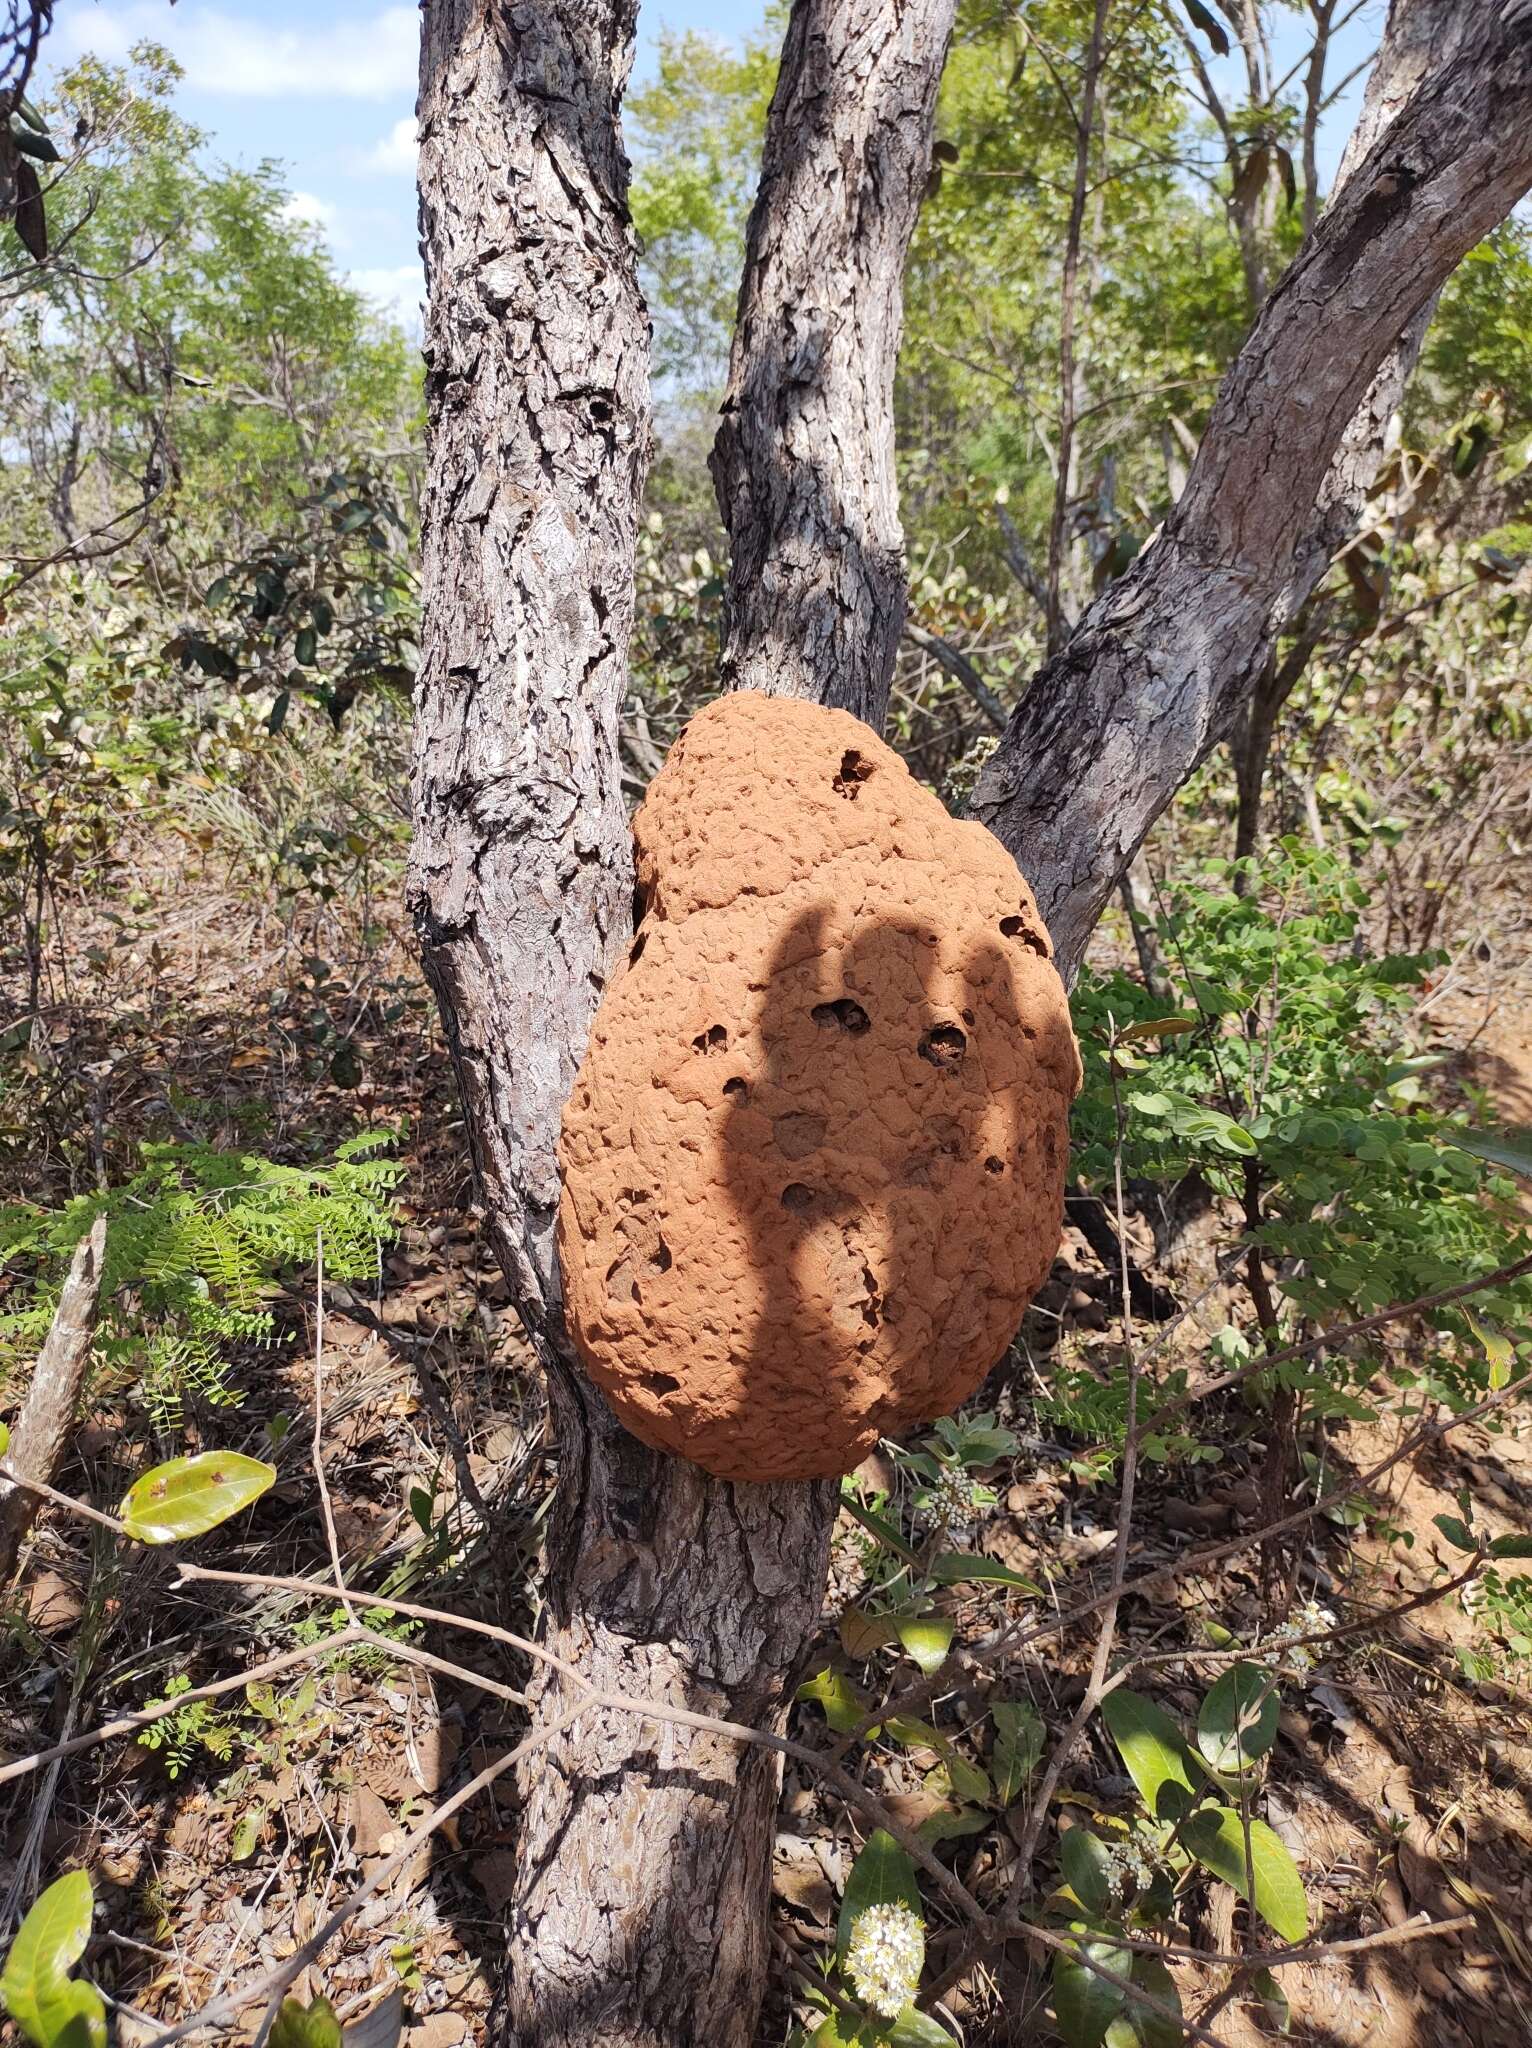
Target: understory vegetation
{"x": 1204, "y": 1636}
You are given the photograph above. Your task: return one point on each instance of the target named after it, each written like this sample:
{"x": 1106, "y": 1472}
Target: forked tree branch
{"x": 1155, "y": 673}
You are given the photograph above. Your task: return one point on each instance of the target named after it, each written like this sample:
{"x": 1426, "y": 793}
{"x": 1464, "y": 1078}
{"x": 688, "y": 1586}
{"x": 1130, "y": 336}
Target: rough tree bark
{"x": 1157, "y": 670}
{"x": 804, "y": 461}
{"x": 640, "y": 1912}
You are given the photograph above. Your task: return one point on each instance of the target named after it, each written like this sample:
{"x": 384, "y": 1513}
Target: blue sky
{"x": 329, "y": 89}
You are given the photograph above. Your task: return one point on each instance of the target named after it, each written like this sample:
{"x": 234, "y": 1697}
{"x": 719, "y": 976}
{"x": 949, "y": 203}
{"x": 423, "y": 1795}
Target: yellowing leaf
{"x": 49, "y": 2006}
{"x": 189, "y": 1496}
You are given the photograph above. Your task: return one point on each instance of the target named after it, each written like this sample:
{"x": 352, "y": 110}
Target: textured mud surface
{"x": 813, "y": 1162}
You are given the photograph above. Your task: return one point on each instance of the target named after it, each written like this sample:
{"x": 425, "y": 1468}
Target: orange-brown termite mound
{"x": 814, "y": 1159}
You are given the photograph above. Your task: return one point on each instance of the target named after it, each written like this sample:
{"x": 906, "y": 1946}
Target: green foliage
{"x": 196, "y": 1242}
{"x": 310, "y": 2026}
{"x": 199, "y": 1726}
{"x": 1296, "y": 1094}
{"x": 53, "y": 2009}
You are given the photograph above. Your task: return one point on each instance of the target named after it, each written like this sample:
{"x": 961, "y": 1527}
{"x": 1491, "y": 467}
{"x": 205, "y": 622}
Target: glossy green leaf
{"x": 1087, "y": 1867}
{"x": 1456, "y": 1532}
{"x": 51, "y": 2008}
{"x": 1238, "y": 1721}
{"x": 882, "y": 1875}
{"x": 915, "y": 2029}
{"x": 1511, "y": 1546}
{"x": 834, "y": 1692}
{"x": 1084, "y": 2002}
{"x": 1152, "y": 1749}
{"x": 956, "y": 1567}
{"x": 1156, "y": 2030}
{"x": 925, "y": 1637}
{"x": 1268, "y": 1879}
{"x": 189, "y": 1496}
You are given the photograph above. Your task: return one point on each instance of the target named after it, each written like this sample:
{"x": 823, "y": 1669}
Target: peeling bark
{"x": 1157, "y": 670}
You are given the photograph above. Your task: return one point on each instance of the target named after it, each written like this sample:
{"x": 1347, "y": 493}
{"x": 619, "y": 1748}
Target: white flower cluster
{"x": 1308, "y": 1620}
{"x": 883, "y": 1958}
{"x": 1129, "y": 1866}
{"x": 951, "y": 1497}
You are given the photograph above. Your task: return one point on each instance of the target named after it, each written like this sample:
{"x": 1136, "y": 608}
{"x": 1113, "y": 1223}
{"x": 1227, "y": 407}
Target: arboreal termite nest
{"x": 814, "y": 1158}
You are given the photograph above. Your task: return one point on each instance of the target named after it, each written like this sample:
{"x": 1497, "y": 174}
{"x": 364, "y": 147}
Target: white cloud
{"x": 395, "y": 155}
{"x": 398, "y": 291}
{"x": 312, "y": 211}
{"x": 246, "y": 57}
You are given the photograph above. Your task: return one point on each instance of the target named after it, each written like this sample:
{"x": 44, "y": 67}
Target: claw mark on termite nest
{"x": 813, "y": 1167}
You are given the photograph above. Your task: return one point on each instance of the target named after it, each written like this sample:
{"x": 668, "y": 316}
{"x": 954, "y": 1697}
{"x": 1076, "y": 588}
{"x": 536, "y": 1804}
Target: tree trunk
{"x": 804, "y": 461}
{"x": 640, "y": 1915}
{"x": 1157, "y": 670}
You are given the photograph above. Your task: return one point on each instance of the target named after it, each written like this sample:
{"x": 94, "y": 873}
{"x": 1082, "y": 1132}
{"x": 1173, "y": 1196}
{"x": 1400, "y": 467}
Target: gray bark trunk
{"x": 1159, "y": 667}
{"x": 804, "y": 461}
{"x": 641, "y": 1910}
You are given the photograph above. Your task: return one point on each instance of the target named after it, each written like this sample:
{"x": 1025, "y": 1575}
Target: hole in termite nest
{"x": 943, "y": 1046}
{"x": 1018, "y": 928}
{"x": 841, "y": 1015}
{"x": 714, "y": 1039}
{"x": 797, "y": 1198}
{"x": 736, "y": 1089}
{"x": 854, "y": 771}
{"x": 661, "y": 1382}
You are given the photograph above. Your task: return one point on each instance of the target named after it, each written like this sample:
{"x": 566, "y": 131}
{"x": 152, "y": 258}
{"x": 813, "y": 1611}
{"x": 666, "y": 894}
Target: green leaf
{"x": 1274, "y": 1998}
{"x": 1018, "y": 1747}
{"x": 925, "y": 1637}
{"x": 1151, "y": 1747}
{"x": 955, "y": 1567}
{"x": 305, "y": 646}
{"x": 49, "y": 2006}
{"x": 1497, "y": 1349}
{"x": 1084, "y": 2003}
{"x": 876, "y": 1525}
{"x": 1153, "y": 2030}
{"x": 189, "y": 1496}
{"x": 1510, "y": 1146}
{"x": 1238, "y": 1721}
{"x": 1216, "y": 1837}
{"x": 1157, "y": 1027}
{"x": 1087, "y": 1867}
{"x": 5, "y": 1438}
{"x": 915, "y": 2029}
{"x": 1456, "y": 1532}
{"x": 833, "y": 1690}
{"x": 313, "y": 2026}
{"x": 1511, "y": 1546}
{"x": 276, "y": 718}
{"x": 882, "y": 1875}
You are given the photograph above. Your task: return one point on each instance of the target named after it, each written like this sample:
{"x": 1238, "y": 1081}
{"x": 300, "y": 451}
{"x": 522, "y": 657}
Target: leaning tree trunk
{"x": 1159, "y": 667}
{"x": 640, "y": 1914}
